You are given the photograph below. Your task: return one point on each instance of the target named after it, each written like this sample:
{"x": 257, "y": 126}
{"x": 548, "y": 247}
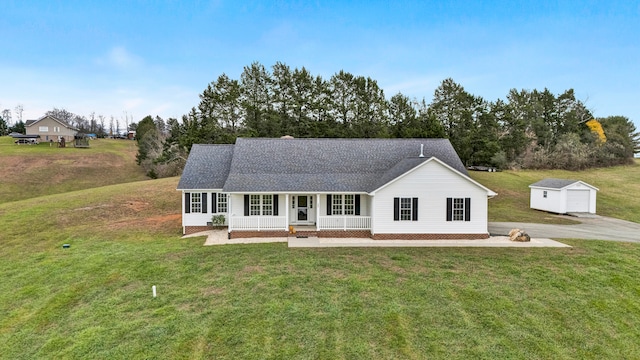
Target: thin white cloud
{"x": 120, "y": 57}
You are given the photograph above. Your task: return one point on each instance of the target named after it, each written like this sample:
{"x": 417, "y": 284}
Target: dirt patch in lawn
{"x": 37, "y": 174}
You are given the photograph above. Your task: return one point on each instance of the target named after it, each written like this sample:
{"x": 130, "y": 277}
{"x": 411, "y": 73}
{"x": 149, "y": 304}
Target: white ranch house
{"x": 563, "y": 196}
{"x": 378, "y": 188}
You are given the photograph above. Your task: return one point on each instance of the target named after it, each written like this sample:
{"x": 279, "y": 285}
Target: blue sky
{"x": 155, "y": 57}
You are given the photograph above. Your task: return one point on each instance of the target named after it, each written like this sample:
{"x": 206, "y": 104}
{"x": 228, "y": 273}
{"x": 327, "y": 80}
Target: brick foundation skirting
{"x": 188, "y": 230}
{"x": 430, "y": 236}
{"x": 266, "y": 233}
{"x": 344, "y": 234}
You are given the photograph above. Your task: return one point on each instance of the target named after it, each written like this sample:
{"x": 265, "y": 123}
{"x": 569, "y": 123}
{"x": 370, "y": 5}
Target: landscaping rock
{"x": 519, "y": 235}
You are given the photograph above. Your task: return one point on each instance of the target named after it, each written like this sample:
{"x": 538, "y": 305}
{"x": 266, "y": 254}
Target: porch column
{"x": 286, "y": 212}
{"x": 229, "y": 212}
{"x": 317, "y": 211}
{"x": 371, "y": 206}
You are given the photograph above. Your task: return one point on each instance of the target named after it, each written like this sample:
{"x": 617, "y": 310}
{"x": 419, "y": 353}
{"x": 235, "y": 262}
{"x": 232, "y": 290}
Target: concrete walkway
{"x": 219, "y": 237}
{"x": 494, "y": 241}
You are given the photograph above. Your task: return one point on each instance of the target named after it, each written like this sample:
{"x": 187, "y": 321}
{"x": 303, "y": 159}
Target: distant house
{"x": 50, "y": 128}
{"x": 563, "y": 196}
{"x": 378, "y": 188}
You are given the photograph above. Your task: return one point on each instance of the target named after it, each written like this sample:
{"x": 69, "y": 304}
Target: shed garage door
{"x": 578, "y": 200}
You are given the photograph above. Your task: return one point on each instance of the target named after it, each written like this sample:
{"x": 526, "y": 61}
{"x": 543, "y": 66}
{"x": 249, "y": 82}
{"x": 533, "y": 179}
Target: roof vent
{"x": 421, "y": 150}
{"x": 286, "y": 137}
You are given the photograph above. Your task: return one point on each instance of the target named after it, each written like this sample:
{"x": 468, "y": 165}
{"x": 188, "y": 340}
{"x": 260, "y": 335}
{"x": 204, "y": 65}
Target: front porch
{"x": 277, "y": 214}
{"x": 280, "y": 223}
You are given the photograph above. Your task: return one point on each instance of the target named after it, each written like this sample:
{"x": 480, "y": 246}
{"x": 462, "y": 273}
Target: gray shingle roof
{"x": 331, "y": 165}
{"x": 554, "y": 183}
{"x": 207, "y": 167}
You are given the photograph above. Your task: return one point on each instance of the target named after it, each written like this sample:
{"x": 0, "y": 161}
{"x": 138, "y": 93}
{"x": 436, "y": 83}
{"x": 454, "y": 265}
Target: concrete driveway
{"x": 594, "y": 228}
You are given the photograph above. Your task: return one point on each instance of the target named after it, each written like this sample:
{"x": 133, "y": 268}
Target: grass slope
{"x": 93, "y": 300}
{"x": 618, "y": 186}
{"x": 30, "y": 171}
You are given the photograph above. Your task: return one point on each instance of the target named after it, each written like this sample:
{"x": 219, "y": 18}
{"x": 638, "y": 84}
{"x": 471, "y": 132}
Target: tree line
{"x": 527, "y": 129}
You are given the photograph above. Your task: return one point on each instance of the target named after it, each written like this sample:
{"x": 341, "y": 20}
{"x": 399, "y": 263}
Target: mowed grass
{"x": 29, "y": 171}
{"x": 265, "y": 301}
{"x": 618, "y": 196}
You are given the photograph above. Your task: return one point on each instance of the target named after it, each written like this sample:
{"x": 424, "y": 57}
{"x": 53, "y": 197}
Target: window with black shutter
{"x": 405, "y": 209}
{"x": 458, "y": 209}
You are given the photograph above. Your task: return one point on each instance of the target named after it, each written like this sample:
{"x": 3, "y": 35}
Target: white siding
{"x": 554, "y": 202}
{"x": 432, "y": 183}
{"x": 574, "y": 198}
{"x": 199, "y": 219}
{"x": 236, "y": 204}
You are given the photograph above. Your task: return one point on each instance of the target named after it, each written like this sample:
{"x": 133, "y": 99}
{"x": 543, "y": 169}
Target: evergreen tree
{"x": 4, "y": 129}
{"x": 18, "y": 127}
{"x": 403, "y": 118}
{"x": 255, "y": 99}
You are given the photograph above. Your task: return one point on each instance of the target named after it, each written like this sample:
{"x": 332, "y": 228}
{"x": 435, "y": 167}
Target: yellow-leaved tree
{"x": 596, "y": 128}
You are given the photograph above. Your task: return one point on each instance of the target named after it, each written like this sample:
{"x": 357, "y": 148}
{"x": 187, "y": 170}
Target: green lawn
{"x": 619, "y": 187}
{"x": 94, "y": 300}
{"x": 29, "y": 171}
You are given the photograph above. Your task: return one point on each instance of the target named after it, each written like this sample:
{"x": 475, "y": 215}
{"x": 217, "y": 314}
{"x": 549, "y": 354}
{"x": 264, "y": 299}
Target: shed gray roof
{"x": 331, "y": 165}
{"x": 207, "y": 167}
{"x": 553, "y": 183}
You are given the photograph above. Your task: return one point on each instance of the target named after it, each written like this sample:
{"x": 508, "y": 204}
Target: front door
{"x": 303, "y": 209}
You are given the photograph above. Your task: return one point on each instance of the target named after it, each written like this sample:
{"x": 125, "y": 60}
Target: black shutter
{"x": 187, "y": 202}
{"x": 449, "y": 209}
{"x": 396, "y": 209}
{"x": 414, "y": 214}
{"x": 204, "y": 203}
{"x": 357, "y": 204}
{"x": 275, "y": 205}
{"x": 467, "y": 209}
{"x": 214, "y": 203}
{"x": 246, "y": 205}
{"x": 328, "y": 204}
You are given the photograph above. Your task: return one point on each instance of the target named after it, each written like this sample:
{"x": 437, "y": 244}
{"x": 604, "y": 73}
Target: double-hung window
{"x": 196, "y": 202}
{"x": 222, "y": 203}
{"x": 267, "y": 205}
{"x": 343, "y": 204}
{"x": 260, "y": 204}
{"x": 405, "y": 209}
{"x": 254, "y": 205}
{"x": 349, "y": 204}
{"x": 336, "y": 205}
{"x": 458, "y": 209}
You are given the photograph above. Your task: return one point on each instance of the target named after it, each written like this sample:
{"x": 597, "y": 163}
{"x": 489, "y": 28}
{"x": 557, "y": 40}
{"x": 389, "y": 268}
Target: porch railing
{"x": 258, "y": 223}
{"x": 344, "y": 223}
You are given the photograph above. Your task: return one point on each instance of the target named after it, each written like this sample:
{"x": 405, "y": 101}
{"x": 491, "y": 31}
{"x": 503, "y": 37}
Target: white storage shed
{"x": 563, "y": 196}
